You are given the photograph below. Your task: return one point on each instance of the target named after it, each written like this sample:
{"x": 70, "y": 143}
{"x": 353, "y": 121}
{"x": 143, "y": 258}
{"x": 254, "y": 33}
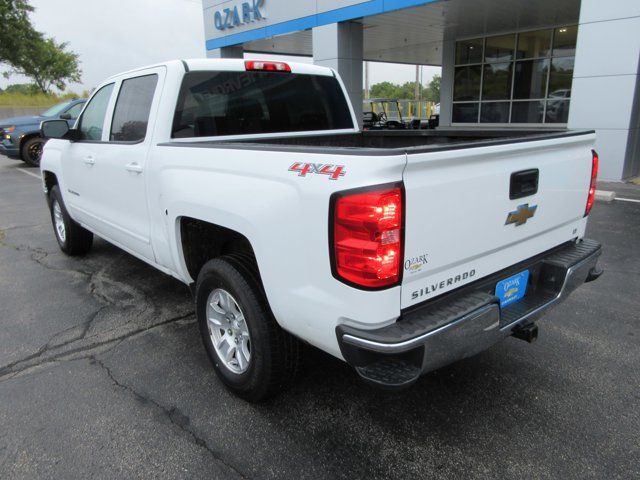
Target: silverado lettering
{"x": 442, "y": 284}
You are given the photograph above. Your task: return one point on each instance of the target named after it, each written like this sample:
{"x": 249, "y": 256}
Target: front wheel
{"x": 249, "y": 351}
{"x": 72, "y": 238}
{"x": 31, "y": 151}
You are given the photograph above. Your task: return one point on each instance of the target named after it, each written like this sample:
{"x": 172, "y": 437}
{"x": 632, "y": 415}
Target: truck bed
{"x": 388, "y": 142}
{"x": 459, "y": 197}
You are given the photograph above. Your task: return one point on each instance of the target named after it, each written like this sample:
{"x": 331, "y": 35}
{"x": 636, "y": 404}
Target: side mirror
{"x": 58, "y": 129}
{"x": 65, "y": 116}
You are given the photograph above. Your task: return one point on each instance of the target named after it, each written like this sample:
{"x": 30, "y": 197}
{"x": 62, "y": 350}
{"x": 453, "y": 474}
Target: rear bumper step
{"x": 466, "y": 323}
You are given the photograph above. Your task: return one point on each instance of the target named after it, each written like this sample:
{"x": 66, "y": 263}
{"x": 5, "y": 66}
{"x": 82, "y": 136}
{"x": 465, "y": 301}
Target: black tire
{"x": 76, "y": 239}
{"x": 31, "y": 151}
{"x": 276, "y": 356}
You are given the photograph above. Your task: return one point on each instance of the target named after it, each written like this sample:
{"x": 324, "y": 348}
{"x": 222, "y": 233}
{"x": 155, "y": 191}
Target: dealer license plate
{"x": 512, "y": 289}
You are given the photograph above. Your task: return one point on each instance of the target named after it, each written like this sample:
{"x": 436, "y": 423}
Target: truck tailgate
{"x": 460, "y": 223}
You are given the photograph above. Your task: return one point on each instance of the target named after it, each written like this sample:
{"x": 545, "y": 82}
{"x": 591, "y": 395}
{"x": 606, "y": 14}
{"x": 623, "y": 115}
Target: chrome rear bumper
{"x": 466, "y": 322}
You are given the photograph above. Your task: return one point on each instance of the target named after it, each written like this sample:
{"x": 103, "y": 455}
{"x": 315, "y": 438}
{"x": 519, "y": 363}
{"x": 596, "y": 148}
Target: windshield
{"x": 243, "y": 103}
{"x": 55, "y": 110}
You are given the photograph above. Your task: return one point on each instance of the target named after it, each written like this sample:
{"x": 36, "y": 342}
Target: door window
{"x": 131, "y": 115}
{"x": 92, "y": 119}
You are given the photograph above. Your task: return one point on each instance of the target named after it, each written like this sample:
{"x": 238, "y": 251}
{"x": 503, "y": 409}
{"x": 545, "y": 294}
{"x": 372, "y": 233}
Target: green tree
{"x": 407, "y": 91}
{"x": 432, "y": 92}
{"x": 27, "y": 52}
{"x": 49, "y": 64}
{"x": 16, "y": 30}
{"x": 383, "y": 90}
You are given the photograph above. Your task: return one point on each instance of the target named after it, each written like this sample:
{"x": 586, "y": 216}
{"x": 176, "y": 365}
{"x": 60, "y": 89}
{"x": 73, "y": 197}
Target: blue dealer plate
{"x": 512, "y": 289}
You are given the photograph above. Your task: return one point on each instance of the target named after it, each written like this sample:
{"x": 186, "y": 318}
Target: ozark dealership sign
{"x": 241, "y": 14}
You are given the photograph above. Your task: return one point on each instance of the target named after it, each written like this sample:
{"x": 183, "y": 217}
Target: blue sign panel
{"x": 242, "y": 14}
{"x": 512, "y": 289}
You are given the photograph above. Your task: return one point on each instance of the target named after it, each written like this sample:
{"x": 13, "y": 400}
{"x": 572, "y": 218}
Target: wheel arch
{"x": 49, "y": 180}
{"x": 200, "y": 241}
{"x": 27, "y": 136}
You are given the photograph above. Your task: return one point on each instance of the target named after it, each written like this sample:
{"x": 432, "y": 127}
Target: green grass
{"x": 36, "y": 100}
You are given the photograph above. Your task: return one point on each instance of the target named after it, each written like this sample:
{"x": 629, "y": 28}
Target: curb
{"x": 605, "y": 196}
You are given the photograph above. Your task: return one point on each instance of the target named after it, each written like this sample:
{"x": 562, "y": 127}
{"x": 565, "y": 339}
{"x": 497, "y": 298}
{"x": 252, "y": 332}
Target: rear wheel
{"x": 249, "y": 351}
{"x": 72, "y": 238}
{"x": 32, "y": 151}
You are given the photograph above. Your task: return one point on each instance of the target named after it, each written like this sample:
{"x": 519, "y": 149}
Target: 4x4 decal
{"x": 333, "y": 171}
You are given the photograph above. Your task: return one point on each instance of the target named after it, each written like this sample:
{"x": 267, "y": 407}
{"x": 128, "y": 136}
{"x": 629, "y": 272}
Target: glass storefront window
{"x": 564, "y": 41}
{"x": 467, "y": 83}
{"x": 561, "y": 76}
{"x": 527, "y": 112}
{"x": 465, "y": 112}
{"x": 496, "y": 83}
{"x": 519, "y": 78}
{"x": 557, "y": 111}
{"x": 499, "y": 49}
{"x": 531, "y": 79}
{"x": 469, "y": 51}
{"x": 534, "y": 44}
{"x": 494, "y": 112}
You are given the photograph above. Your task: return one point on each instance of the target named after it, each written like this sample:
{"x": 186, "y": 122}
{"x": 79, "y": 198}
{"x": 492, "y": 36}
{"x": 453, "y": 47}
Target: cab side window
{"x": 92, "y": 120}
{"x": 131, "y": 115}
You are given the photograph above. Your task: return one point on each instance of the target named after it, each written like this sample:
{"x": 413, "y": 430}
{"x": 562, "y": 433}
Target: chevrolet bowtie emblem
{"x": 521, "y": 215}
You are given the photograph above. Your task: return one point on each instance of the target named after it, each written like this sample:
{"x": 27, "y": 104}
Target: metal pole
{"x": 366, "y": 80}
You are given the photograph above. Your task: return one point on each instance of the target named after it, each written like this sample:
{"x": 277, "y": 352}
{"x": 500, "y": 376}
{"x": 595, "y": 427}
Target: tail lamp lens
{"x": 592, "y": 186}
{"x": 367, "y": 237}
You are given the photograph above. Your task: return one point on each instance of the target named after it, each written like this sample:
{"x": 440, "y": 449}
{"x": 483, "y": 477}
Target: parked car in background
{"x": 20, "y": 136}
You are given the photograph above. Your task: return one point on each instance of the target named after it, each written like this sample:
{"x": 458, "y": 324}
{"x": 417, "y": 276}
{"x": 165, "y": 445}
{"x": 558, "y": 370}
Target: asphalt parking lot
{"x": 102, "y": 375}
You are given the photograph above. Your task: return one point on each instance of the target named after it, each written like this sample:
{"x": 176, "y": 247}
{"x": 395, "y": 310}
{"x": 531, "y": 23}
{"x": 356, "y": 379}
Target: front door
{"x": 113, "y": 196}
{"x": 79, "y": 165}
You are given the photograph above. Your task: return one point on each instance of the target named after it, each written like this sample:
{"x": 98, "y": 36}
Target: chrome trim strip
{"x": 400, "y": 346}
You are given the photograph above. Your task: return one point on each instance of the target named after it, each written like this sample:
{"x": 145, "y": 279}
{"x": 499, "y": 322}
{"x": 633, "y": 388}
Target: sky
{"x": 119, "y": 35}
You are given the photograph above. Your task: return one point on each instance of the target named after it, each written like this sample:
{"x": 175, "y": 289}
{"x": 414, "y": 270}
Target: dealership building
{"x": 505, "y": 63}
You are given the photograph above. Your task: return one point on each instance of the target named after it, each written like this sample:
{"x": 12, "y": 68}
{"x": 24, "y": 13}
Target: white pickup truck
{"x": 250, "y": 181}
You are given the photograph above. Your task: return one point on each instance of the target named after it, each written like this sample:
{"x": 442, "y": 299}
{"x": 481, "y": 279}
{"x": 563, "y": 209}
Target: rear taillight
{"x": 259, "y": 65}
{"x": 367, "y": 236}
{"x": 592, "y": 186}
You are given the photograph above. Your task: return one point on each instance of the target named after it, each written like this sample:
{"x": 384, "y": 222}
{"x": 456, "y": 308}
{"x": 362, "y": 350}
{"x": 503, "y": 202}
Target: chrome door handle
{"x": 133, "y": 167}
{"x": 89, "y": 160}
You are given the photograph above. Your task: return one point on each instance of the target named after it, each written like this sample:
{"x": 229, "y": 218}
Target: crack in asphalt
{"x": 22, "y": 365}
{"x": 109, "y": 293}
{"x": 77, "y": 342}
{"x": 173, "y": 414}
{"x": 38, "y": 255}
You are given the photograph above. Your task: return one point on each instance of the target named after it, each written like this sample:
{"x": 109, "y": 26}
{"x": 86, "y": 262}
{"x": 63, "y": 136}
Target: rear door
{"x": 471, "y": 212}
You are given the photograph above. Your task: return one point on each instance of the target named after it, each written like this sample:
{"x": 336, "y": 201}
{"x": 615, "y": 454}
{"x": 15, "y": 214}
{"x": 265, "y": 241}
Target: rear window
{"x": 243, "y": 103}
